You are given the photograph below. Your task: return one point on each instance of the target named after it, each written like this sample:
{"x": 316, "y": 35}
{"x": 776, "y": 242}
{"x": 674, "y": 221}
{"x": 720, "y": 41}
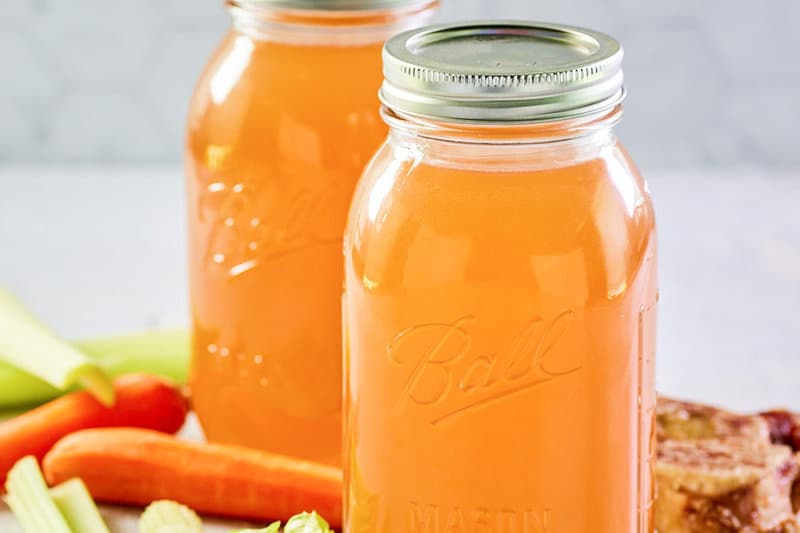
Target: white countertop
{"x": 101, "y": 250}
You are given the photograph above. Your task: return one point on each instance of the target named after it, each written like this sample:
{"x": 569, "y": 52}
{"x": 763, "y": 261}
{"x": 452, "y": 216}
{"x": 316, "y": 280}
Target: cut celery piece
{"x": 160, "y": 352}
{"x": 20, "y": 389}
{"x": 77, "y": 507}
{"x": 28, "y": 345}
{"x": 166, "y": 516}
{"x": 30, "y": 500}
{"x": 307, "y": 523}
{"x": 274, "y": 527}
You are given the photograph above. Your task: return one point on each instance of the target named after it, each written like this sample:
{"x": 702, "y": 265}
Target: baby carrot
{"x": 136, "y": 466}
{"x": 141, "y": 401}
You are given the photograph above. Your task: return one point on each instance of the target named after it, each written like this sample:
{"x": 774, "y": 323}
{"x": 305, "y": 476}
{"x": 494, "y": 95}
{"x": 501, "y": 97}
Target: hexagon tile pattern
{"x": 712, "y": 82}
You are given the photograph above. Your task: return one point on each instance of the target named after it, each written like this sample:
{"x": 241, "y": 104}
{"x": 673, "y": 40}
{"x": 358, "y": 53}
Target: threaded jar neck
{"x": 296, "y": 23}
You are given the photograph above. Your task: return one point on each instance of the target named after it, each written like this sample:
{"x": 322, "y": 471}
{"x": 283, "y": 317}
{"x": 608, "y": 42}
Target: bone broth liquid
{"x": 500, "y": 293}
{"x": 281, "y": 125}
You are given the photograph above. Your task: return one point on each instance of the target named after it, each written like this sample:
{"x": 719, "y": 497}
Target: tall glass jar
{"x": 500, "y": 293}
{"x": 281, "y": 124}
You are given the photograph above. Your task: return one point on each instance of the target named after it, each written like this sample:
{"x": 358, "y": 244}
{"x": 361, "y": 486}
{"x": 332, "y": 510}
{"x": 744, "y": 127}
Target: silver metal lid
{"x": 501, "y": 71}
{"x": 340, "y": 5}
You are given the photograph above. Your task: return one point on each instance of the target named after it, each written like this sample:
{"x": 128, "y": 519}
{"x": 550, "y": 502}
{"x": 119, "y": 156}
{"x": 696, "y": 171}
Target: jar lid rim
{"x": 502, "y": 71}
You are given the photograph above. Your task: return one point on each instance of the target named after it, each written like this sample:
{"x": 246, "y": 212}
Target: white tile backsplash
{"x": 711, "y": 82}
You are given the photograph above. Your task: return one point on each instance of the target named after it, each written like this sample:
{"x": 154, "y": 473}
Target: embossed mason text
{"x": 431, "y": 518}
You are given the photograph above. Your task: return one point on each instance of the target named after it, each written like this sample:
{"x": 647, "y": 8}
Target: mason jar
{"x": 281, "y": 124}
{"x": 500, "y": 292}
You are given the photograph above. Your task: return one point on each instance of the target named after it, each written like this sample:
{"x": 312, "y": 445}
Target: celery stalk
{"x": 30, "y": 346}
{"x": 20, "y": 389}
{"x": 161, "y": 352}
{"x": 76, "y": 505}
{"x": 274, "y": 527}
{"x": 30, "y": 500}
{"x": 307, "y": 523}
{"x": 166, "y": 516}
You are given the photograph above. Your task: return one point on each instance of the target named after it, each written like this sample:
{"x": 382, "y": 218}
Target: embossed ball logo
{"x": 253, "y": 222}
{"x": 443, "y": 374}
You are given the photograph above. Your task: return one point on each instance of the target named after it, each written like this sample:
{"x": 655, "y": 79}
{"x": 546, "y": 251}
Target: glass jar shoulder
{"x": 272, "y": 72}
{"x": 257, "y": 97}
{"x": 593, "y": 215}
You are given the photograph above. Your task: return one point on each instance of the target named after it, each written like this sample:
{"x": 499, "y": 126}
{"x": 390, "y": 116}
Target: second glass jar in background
{"x": 282, "y": 122}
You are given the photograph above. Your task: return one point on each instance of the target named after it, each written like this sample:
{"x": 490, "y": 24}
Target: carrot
{"x": 141, "y": 401}
{"x": 136, "y": 467}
